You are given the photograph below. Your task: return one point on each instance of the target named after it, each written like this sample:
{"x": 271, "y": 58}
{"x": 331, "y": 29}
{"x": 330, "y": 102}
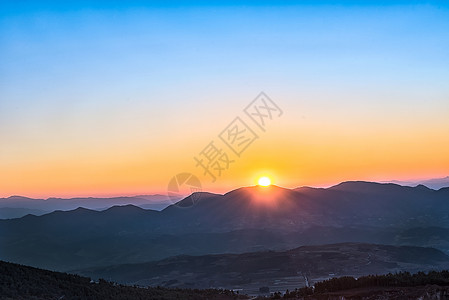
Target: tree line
{"x": 401, "y": 279}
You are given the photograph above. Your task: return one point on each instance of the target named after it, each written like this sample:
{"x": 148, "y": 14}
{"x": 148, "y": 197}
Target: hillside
{"x": 22, "y": 282}
{"x": 278, "y": 270}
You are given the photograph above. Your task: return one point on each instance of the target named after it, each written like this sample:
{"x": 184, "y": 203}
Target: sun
{"x": 264, "y": 181}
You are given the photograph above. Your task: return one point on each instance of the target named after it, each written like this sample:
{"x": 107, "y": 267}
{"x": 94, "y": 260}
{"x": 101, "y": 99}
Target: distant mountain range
{"x": 18, "y": 206}
{"x": 436, "y": 183}
{"x": 244, "y": 220}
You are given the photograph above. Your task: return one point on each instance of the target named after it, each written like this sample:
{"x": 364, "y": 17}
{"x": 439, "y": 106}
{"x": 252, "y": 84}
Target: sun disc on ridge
{"x": 264, "y": 181}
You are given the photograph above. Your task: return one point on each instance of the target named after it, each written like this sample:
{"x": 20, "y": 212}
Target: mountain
{"x": 18, "y": 206}
{"x": 348, "y": 204}
{"x": 17, "y": 212}
{"x": 243, "y": 220}
{"x": 22, "y": 282}
{"x": 435, "y": 183}
{"x": 278, "y": 270}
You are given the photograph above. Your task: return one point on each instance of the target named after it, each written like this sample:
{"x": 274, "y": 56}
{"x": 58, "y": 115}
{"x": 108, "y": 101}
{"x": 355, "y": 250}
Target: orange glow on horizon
{"x": 318, "y": 155}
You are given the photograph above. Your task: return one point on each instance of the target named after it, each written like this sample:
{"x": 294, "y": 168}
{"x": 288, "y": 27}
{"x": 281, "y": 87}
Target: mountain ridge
{"x": 245, "y": 219}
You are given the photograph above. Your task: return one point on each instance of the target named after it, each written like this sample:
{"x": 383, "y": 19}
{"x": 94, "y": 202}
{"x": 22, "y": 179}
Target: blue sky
{"x": 79, "y": 77}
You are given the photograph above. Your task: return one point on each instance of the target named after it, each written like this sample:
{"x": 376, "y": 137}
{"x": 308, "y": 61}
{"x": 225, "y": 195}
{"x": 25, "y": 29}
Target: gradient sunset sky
{"x": 110, "y": 99}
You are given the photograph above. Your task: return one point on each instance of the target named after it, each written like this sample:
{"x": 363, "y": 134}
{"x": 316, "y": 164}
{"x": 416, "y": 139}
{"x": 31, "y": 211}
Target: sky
{"x": 107, "y": 98}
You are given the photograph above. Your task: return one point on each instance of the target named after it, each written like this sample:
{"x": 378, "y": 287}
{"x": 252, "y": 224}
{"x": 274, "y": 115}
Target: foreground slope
{"x": 278, "y": 270}
{"x": 22, "y": 282}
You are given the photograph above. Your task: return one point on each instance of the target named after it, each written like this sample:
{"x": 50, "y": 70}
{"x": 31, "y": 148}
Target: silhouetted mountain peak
{"x": 81, "y": 209}
{"x": 264, "y": 193}
{"x": 16, "y": 197}
{"x": 373, "y": 187}
{"x": 192, "y": 199}
{"x": 124, "y": 209}
{"x": 423, "y": 187}
{"x": 257, "y": 189}
{"x": 307, "y": 188}
{"x": 78, "y": 211}
{"x": 357, "y": 185}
